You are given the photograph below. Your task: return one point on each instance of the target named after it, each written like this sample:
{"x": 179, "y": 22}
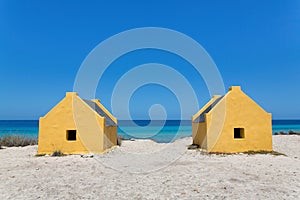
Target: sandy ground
{"x": 147, "y": 170}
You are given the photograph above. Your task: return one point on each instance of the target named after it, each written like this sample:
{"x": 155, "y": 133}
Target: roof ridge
{"x": 94, "y": 106}
{"x": 201, "y": 117}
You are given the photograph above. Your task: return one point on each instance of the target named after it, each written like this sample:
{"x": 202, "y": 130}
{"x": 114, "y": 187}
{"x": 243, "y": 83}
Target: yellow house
{"x": 232, "y": 123}
{"x": 77, "y": 126}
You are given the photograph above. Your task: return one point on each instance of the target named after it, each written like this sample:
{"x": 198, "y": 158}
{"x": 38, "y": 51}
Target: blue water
{"x": 158, "y": 131}
{"x": 28, "y": 128}
{"x": 286, "y": 125}
{"x": 168, "y": 132}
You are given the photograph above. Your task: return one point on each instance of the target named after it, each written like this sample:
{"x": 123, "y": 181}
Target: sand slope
{"x": 147, "y": 170}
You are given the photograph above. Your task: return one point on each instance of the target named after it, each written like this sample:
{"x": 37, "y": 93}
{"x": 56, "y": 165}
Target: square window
{"x": 239, "y": 133}
{"x": 71, "y": 135}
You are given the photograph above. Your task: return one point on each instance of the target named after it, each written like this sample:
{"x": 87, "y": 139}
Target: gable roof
{"x": 97, "y": 109}
{"x": 201, "y": 118}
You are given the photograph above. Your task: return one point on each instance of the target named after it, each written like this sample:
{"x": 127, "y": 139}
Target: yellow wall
{"x": 199, "y": 134}
{"x": 110, "y": 136}
{"x": 237, "y": 110}
{"x": 72, "y": 113}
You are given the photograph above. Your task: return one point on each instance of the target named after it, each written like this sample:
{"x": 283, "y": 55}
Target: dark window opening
{"x": 239, "y": 133}
{"x": 71, "y": 135}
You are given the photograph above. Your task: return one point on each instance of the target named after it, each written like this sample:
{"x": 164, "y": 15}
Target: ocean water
{"x": 285, "y": 125}
{"x": 28, "y": 128}
{"x": 158, "y": 130}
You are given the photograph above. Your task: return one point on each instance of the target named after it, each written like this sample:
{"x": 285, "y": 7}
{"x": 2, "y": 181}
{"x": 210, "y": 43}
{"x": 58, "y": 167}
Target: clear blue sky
{"x": 255, "y": 44}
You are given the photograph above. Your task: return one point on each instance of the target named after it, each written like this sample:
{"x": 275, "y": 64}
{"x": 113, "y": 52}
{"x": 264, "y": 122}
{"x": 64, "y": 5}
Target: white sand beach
{"x": 144, "y": 169}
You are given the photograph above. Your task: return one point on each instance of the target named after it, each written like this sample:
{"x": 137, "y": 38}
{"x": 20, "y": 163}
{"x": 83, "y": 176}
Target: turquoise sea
{"x": 171, "y": 129}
